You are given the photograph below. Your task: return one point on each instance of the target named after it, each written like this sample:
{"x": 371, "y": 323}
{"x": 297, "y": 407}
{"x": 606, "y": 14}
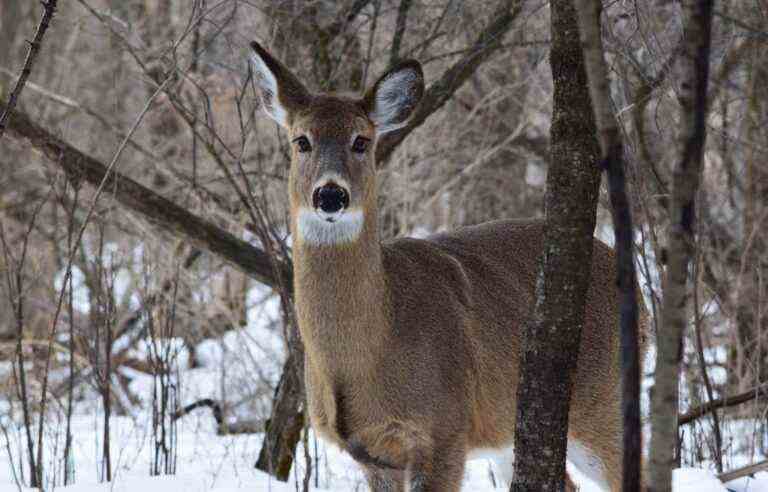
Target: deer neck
{"x": 341, "y": 294}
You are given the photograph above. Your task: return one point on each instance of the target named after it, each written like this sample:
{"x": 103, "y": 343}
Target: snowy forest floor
{"x": 207, "y": 462}
{"x": 240, "y": 368}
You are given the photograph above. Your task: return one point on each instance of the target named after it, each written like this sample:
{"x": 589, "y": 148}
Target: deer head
{"x": 332, "y": 183}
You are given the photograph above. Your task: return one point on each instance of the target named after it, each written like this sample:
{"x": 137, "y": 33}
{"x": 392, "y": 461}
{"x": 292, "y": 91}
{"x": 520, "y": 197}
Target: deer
{"x": 412, "y": 346}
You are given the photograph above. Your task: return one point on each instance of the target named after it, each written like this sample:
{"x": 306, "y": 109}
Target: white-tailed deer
{"x": 412, "y": 346}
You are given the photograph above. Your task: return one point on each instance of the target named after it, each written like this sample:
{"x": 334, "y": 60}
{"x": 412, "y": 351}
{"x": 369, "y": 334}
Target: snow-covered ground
{"x": 234, "y": 369}
{"x": 206, "y": 462}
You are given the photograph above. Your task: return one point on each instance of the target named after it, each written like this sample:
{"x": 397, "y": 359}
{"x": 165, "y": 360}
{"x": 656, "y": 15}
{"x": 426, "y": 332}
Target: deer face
{"x": 333, "y": 139}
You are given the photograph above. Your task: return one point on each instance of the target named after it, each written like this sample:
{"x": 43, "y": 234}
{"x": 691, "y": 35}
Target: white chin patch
{"x": 329, "y": 230}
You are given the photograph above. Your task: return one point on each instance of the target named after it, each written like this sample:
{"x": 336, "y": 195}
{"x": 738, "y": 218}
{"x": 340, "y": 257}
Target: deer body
{"x": 412, "y": 346}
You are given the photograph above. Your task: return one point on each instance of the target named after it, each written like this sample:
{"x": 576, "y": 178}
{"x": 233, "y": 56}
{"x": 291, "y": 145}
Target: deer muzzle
{"x": 330, "y": 198}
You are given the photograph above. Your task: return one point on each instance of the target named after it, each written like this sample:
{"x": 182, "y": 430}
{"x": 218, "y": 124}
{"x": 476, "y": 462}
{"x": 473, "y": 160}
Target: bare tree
{"x": 551, "y": 337}
{"x": 611, "y": 144}
{"x": 693, "y": 72}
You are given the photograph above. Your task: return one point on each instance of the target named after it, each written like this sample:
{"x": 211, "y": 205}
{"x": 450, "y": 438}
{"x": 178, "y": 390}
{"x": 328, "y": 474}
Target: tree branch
{"x": 729, "y": 401}
{"x": 743, "y": 471}
{"x": 446, "y": 86}
{"x": 338, "y": 26}
{"x": 397, "y": 38}
{"x": 152, "y": 207}
{"x": 49, "y": 9}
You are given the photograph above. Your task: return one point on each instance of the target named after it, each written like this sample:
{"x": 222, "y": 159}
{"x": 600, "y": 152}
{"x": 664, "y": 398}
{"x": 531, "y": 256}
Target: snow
{"x": 691, "y": 479}
{"x": 684, "y": 480}
{"x": 236, "y": 368}
{"x": 207, "y": 462}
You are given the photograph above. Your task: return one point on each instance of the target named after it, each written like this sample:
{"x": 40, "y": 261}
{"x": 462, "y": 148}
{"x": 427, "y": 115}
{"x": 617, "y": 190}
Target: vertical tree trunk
{"x": 287, "y": 420}
{"x": 552, "y": 335}
{"x": 750, "y": 369}
{"x": 613, "y": 160}
{"x": 693, "y": 74}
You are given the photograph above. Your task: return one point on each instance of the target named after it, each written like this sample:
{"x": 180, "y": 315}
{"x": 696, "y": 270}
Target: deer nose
{"x": 330, "y": 198}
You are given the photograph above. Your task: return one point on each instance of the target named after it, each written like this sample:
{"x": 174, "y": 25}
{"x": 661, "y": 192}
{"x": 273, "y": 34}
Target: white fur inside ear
{"x": 393, "y": 93}
{"x": 317, "y": 231}
{"x": 267, "y": 84}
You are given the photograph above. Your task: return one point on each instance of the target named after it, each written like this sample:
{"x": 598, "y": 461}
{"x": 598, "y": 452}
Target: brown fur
{"x": 413, "y": 346}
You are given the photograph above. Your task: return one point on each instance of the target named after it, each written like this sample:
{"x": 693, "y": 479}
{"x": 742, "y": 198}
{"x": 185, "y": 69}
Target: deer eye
{"x": 303, "y": 143}
{"x": 360, "y": 145}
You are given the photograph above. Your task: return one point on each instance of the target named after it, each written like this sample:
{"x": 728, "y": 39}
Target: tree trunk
{"x": 284, "y": 428}
{"x": 552, "y": 335}
{"x": 613, "y": 161}
{"x": 693, "y": 74}
{"x": 751, "y": 323}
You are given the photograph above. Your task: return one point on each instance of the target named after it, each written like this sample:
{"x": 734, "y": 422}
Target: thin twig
{"x": 397, "y": 38}
{"x": 156, "y": 209}
{"x": 75, "y": 105}
{"x": 15, "y": 285}
{"x": 68, "y": 471}
{"x": 49, "y": 8}
{"x": 439, "y": 92}
{"x": 79, "y": 238}
{"x": 718, "y": 454}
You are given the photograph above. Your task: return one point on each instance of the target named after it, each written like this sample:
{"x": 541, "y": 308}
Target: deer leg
{"x": 441, "y": 470}
{"x": 383, "y": 481}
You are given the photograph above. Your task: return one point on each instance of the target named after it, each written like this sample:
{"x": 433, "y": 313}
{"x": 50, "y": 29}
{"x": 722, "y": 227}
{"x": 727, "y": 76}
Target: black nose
{"x": 330, "y": 198}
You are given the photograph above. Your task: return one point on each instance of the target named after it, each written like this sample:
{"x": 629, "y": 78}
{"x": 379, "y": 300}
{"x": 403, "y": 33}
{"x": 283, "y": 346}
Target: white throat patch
{"x": 317, "y": 231}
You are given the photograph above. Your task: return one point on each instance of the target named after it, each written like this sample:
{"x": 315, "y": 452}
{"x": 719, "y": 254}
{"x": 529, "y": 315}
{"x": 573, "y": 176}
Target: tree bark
{"x": 551, "y": 337}
{"x": 283, "y": 430}
{"x": 750, "y": 367}
{"x": 693, "y": 74}
{"x": 613, "y": 161}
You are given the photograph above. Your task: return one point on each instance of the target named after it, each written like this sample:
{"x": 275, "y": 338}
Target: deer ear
{"x": 280, "y": 91}
{"x": 392, "y": 99}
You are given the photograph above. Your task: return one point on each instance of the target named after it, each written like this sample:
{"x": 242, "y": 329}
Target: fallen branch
{"x": 247, "y": 426}
{"x": 49, "y": 9}
{"x": 745, "y": 471}
{"x": 729, "y": 401}
{"x": 154, "y": 208}
{"x": 218, "y": 416}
